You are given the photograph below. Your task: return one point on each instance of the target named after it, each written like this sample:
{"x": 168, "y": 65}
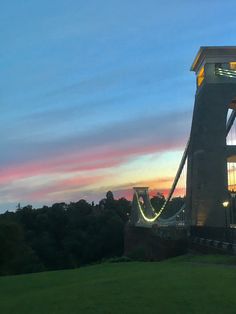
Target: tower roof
{"x": 213, "y": 54}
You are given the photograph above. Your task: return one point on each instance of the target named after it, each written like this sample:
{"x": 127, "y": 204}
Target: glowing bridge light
{"x": 146, "y": 210}
{"x": 225, "y": 204}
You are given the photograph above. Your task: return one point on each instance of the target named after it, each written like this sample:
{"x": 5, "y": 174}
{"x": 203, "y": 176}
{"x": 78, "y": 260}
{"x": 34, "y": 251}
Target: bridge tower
{"x": 207, "y": 187}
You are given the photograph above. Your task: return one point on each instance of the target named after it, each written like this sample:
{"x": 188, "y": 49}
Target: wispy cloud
{"x": 156, "y": 133}
{"x": 73, "y": 162}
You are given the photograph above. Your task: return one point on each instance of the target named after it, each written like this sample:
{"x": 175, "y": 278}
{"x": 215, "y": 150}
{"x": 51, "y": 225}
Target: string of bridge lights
{"x": 174, "y": 184}
{"x": 156, "y": 215}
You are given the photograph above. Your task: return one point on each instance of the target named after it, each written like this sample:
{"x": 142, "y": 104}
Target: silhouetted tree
{"x": 16, "y": 257}
{"x": 62, "y": 235}
{"x": 109, "y": 196}
{"x": 157, "y": 201}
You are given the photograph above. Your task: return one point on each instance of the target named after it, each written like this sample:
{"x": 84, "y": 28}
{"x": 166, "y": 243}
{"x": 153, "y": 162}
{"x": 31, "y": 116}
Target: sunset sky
{"x": 96, "y": 95}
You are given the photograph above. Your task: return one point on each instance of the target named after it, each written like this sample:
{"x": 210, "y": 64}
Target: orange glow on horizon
{"x": 90, "y": 174}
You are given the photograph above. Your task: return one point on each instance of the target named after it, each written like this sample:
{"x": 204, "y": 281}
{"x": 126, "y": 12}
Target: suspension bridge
{"x": 207, "y": 170}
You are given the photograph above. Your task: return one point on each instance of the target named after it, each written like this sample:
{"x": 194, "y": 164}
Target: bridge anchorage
{"x": 209, "y": 160}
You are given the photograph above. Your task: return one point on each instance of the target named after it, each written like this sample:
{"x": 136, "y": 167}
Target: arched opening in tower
{"x": 231, "y": 145}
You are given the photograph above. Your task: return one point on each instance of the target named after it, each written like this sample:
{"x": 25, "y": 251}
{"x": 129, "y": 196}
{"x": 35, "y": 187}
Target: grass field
{"x": 201, "y": 284}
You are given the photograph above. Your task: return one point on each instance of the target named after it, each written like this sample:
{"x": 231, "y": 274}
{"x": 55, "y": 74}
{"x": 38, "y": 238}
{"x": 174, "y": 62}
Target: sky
{"x": 97, "y": 95}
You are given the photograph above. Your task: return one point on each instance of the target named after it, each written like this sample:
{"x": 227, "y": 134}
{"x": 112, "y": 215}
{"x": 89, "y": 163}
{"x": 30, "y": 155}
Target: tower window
{"x": 232, "y": 65}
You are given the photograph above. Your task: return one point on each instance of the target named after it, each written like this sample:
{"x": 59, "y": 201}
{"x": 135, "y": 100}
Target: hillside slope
{"x": 180, "y": 285}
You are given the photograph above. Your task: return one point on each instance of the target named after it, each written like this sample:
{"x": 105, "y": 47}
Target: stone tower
{"x": 207, "y": 186}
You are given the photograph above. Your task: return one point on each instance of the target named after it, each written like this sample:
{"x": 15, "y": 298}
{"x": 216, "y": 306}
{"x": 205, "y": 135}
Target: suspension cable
{"x": 180, "y": 169}
{"x": 178, "y": 174}
{"x": 181, "y": 166}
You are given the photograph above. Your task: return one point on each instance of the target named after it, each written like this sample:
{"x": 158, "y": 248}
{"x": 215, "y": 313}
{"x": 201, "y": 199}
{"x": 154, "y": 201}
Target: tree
{"x": 63, "y": 235}
{"x": 109, "y": 196}
{"x": 158, "y": 201}
{"x": 16, "y": 256}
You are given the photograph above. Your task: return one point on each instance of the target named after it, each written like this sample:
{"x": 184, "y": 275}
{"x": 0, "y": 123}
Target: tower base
{"x": 154, "y": 244}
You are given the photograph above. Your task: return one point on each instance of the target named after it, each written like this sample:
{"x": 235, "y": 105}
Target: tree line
{"x": 63, "y": 235}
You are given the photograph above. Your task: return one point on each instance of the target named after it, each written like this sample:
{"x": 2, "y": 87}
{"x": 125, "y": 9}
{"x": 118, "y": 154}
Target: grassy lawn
{"x": 186, "y": 284}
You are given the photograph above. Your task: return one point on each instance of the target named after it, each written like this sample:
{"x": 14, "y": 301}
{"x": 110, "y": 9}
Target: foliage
{"x": 119, "y": 259}
{"x": 157, "y": 201}
{"x": 66, "y": 235}
{"x": 62, "y": 236}
{"x": 16, "y": 256}
{"x": 173, "y": 207}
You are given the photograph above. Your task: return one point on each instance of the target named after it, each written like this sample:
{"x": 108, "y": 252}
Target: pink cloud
{"x": 69, "y": 163}
{"x": 106, "y": 157}
{"x": 63, "y": 187}
{"x": 70, "y": 190}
